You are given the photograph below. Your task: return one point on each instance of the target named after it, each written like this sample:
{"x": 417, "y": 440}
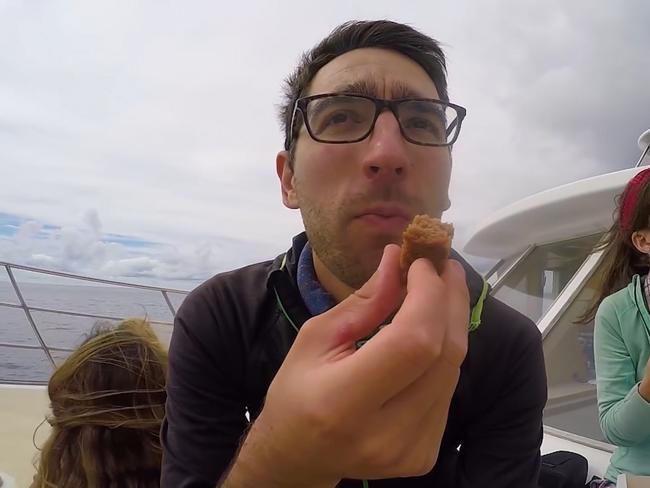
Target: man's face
{"x": 355, "y": 198}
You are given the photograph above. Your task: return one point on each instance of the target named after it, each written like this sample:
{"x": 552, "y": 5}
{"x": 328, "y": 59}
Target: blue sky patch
{"x": 127, "y": 241}
{"x": 9, "y": 225}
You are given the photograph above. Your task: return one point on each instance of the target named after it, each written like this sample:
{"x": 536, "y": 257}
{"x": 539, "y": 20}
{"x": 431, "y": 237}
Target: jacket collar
{"x": 283, "y": 272}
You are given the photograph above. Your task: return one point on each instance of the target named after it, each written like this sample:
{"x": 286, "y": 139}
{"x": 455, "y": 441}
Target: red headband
{"x": 630, "y": 199}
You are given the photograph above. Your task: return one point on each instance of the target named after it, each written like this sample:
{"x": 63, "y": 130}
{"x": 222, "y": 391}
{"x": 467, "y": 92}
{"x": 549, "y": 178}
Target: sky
{"x": 138, "y": 139}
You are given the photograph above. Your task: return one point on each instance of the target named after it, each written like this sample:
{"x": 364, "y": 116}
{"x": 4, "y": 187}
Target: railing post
{"x": 169, "y": 303}
{"x": 28, "y": 314}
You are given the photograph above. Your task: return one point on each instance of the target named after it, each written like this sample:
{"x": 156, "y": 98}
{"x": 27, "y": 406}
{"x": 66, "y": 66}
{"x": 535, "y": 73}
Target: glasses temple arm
{"x": 452, "y": 126}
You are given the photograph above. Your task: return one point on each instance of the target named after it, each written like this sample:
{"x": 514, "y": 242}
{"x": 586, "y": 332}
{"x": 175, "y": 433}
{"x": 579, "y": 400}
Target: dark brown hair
{"x": 356, "y": 35}
{"x": 108, "y": 403}
{"x": 621, "y": 260}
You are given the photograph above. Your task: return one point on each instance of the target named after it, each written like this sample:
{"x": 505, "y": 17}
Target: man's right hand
{"x": 335, "y": 412}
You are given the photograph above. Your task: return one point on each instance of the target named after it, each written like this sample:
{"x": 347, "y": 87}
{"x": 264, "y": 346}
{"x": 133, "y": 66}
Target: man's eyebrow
{"x": 402, "y": 90}
{"x": 359, "y": 87}
{"x": 370, "y": 88}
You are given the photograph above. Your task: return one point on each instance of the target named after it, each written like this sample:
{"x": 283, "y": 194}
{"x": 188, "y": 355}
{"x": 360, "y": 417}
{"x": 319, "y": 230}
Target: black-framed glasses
{"x": 342, "y": 118}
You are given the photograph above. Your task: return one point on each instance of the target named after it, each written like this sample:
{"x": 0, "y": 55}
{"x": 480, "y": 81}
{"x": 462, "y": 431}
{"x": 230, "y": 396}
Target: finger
{"x": 404, "y": 437}
{"x": 427, "y": 439}
{"x": 440, "y": 380}
{"x": 411, "y": 404}
{"x": 401, "y": 352}
{"x": 362, "y": 312}
{"x": 434, "y": 390}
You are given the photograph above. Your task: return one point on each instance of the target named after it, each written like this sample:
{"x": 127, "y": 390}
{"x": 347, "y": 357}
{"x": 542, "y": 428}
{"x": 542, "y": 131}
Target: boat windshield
{"x": 538, "y": 279}
{"x": 570, "y": 369}
{"x": 531, "y": 286}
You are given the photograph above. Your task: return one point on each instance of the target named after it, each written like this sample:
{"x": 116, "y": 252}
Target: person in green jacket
{"x": 622, "y": 334}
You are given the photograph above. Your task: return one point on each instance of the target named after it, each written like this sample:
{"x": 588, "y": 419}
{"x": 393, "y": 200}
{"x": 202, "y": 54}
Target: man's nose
{"x": 386, "y": 157}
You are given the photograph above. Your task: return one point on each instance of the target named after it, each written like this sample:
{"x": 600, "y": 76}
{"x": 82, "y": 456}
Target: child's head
{"x": 626, "y": 246}
{"x": 108, "y": 403}
{"x": 634, "y": 213}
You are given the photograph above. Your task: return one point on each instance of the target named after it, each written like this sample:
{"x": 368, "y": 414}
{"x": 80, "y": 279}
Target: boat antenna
{"x": 644, "y": 144}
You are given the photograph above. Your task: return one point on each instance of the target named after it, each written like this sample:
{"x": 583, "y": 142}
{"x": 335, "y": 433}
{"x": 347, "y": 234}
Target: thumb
{"x": 364, "y": 310}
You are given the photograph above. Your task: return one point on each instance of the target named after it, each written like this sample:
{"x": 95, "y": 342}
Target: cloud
{"x": 85, "y": 249}
{"x": 557, "y": 92}
{"x": 162, "y": 117}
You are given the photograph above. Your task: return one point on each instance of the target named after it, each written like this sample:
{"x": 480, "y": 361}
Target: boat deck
{"x": 22, "y": 409}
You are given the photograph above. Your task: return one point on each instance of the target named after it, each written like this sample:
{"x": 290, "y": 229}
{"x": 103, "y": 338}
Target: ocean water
{"x": 63, "y": 331}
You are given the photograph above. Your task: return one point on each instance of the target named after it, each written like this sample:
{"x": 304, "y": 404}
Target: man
{"x": 423, "y": 402}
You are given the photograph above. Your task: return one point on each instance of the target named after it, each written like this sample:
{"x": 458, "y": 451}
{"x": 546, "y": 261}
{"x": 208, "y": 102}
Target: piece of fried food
{"x": 426, "y": 237}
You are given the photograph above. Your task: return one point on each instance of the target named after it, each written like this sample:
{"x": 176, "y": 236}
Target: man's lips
{"x": 389, "y": 219}
{"x": 386, "y": 211}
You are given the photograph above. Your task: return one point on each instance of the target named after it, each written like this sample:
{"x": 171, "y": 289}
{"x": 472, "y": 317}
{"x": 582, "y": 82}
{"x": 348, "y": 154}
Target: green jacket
{"x": 622, "y": 348}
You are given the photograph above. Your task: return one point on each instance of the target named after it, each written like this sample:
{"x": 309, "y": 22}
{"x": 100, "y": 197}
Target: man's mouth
{"x": 390, "y": 218}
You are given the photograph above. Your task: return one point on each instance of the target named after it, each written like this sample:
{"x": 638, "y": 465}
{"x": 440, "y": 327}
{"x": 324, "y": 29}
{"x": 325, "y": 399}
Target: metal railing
{"x": 24, "y": 305}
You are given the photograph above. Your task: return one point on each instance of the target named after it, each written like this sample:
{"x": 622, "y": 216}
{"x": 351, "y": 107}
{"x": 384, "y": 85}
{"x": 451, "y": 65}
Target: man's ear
{"x": 285, "y": 174}
{"x": 641, "y": 241}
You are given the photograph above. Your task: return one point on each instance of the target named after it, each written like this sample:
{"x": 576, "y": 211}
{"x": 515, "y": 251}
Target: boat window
{"x": 497, "y": 273}
{"x": 7, "y": 293}
{"x": 534, "y": 284}
{"x": 569, "y": 356}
